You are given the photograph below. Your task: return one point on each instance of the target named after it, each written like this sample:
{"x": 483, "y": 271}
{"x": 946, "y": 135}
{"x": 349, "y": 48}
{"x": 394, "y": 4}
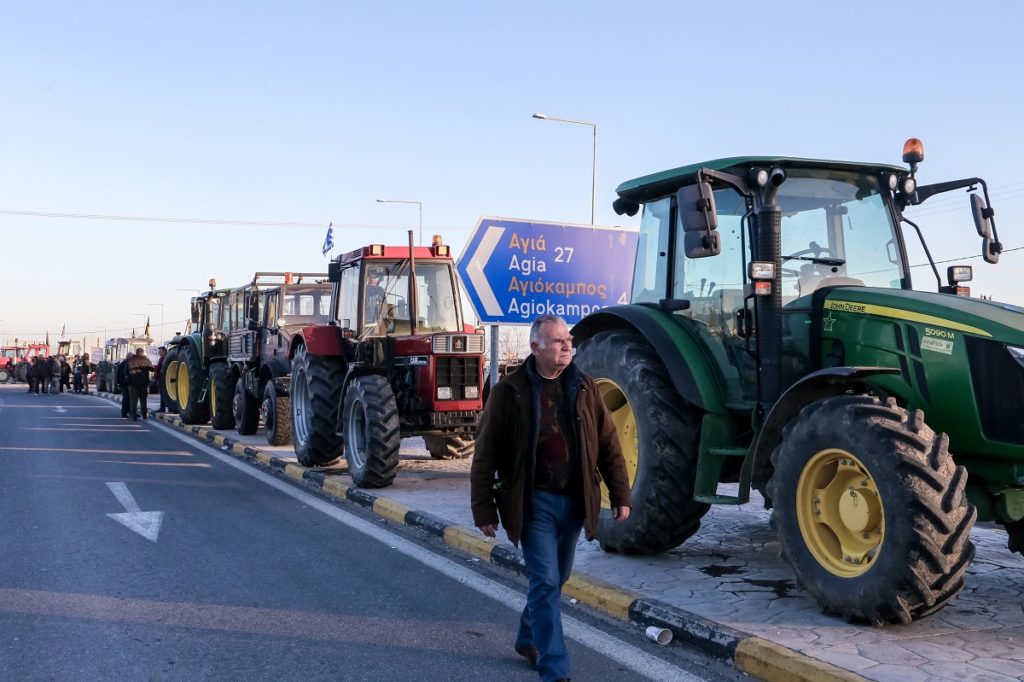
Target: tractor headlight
{"x": 472, "y": 392}
{"x": 894, "y": 181}
{"x": 444, "y": 392}
{"x": 909, "y": 185}
{"x": 1017, "y": 354}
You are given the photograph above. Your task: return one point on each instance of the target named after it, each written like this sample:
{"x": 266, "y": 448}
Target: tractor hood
{"x": 988, "y": 319}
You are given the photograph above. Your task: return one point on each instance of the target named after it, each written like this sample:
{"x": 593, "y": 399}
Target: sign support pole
{"x": 494, "y": 354}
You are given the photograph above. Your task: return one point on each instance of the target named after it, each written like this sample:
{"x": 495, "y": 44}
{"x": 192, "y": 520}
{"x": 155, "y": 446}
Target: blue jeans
{"x": 549, "y": 545}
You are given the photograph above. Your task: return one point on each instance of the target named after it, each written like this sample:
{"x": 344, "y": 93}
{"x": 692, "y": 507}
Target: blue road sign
{"x": 515, "y": 270}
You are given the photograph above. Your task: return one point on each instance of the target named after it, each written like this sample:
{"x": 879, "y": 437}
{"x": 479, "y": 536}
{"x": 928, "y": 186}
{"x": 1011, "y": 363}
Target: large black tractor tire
{"x": 277, "y": 416}
{"x": 245, "y": 409}
{"x": 191, "y": 378}
{"x": 659, "y": 433}
{"x": 870, "y": 510}
{"x": 449, "y": 447}
{"x": 169, "y": 381}
{"x": 372, "y": 432}
{"x": 315, "y": 391}
{"x": 222, "y": 390}
{"x": 5, "y": 376}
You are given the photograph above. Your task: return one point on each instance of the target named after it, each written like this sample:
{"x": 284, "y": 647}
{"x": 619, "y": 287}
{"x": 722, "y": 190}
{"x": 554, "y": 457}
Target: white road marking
{"x": 59, "y": 409}
{"x": 146, "y": 524}
{"x": 619, "y": 651}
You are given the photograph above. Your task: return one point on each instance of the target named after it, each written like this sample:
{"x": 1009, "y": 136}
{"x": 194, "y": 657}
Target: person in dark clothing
{"x": 30, "y": 374}
{"x": 545, "y": 443}
{"x": 139, "y": 368}
{"x": 65, "y": 374}
{"x": 76, "y": 373}
{"x": 121, "y": 374}
{"x": 158, "y": 375}
{"x": 86, "y": 371}
{"x": 41, "y": 372}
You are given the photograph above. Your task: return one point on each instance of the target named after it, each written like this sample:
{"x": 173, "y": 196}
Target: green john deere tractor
{"x": 773, "y": 341}
{"x": 185, "y": 376}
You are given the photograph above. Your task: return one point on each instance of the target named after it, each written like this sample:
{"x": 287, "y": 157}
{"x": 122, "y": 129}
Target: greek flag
{"x": 329, "y": 239}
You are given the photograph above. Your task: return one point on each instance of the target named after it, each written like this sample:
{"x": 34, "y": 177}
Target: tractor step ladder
{"x": 709, "y": 469}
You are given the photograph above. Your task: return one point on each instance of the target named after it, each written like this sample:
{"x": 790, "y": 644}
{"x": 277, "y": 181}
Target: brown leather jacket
{"x": 501, "y": 478}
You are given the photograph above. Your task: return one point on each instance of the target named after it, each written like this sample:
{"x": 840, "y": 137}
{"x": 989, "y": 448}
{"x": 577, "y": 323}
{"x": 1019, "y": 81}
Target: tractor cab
{"x": 377, "y": 297}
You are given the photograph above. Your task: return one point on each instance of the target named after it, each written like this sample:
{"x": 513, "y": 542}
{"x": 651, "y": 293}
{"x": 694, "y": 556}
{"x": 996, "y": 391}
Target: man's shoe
{"x": 528, "y": 652}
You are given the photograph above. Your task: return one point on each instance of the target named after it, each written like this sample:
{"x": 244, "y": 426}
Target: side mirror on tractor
{"x": 334, "y": 271}
{"x": 983, "y": 223}
{"x": 696, "y": 206}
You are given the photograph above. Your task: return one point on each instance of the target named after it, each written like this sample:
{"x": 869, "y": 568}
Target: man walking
{"x": 139, "y": 368}
{"x": 545, "y": 443}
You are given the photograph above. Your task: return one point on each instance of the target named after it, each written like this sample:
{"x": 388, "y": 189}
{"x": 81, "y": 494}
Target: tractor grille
{"x": 457, "y": 372}
{"x": 998, "y": 389}
{"x": 459, "y": 343}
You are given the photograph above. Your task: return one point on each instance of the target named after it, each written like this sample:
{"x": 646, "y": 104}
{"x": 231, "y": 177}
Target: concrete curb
{"x": 753, "y": 655}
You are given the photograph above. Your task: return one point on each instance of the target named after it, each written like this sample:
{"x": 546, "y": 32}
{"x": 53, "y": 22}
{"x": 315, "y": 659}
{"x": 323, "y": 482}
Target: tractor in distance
{"x": 14, "y": 358}
{"x": 115, "y": 351}
{"x": 185, "y": 376}
{"x": 395, "y": 360}
{"x": 251, "y": 383}
{"x": 774, "y": 341}
{"x": 69, "y": 349}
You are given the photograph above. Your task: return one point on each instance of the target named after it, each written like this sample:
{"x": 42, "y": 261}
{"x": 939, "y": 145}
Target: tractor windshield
{"x": 836, "y": 230}
{"x": 306, "y": 305}
{"x": 386, "y": 310}
{"x": 10, "y": 353}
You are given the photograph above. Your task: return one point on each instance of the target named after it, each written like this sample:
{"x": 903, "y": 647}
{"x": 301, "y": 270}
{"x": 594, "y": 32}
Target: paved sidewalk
{"x": 726, "y": 588}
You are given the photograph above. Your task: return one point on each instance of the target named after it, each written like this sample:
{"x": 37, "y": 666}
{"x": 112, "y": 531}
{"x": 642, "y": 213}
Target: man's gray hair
{"x": 543, "y": 319}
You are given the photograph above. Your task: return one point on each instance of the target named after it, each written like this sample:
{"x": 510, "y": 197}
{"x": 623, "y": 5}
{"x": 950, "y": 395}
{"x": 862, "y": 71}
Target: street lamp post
{"x": 403, "y": 201}
{"x": 593, "y": 165}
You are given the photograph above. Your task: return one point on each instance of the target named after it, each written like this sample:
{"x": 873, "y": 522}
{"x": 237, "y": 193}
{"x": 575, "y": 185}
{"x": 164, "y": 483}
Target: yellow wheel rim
{"x": 171, "y": 380}
{"x": 213, "y": 398}
{"x": 625, "y": 425}
{"x": 840, "y": 513}
{"x": 183, "y": 387}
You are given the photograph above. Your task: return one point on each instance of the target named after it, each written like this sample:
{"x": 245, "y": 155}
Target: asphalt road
{"x": 130, "y": 552}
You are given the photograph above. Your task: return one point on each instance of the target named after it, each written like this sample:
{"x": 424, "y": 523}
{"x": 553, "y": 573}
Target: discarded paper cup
{"x": 660, "y": 635}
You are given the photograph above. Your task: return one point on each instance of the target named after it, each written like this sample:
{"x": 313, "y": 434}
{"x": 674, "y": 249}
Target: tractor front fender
{"x": 823, "y": 383}
{"x": 322, "y": 339}
{"x": 689, "y": 368}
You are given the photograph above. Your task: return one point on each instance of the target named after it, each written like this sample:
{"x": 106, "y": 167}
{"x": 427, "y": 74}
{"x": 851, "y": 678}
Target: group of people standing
{"x": 56, "y": 373}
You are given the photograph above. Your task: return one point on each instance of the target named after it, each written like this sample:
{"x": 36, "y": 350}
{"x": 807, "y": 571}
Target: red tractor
{"x": 13, "y": 356}
{"x": 395, "y": 360}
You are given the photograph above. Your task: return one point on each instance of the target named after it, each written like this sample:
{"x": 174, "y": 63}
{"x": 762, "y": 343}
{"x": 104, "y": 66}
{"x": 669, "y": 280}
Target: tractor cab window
{"x": 714, "y": 287}
{"x": 10, "y": 352}
{"x": 348, "y": 301}
{"x": 271, "y": 309}
{"x": 386, "y": 310}
{"x": 436, "y": 298}
{"x": 650, "y": 272}
{"x": 302, "y": 305}
{"x": 836, "y": 230}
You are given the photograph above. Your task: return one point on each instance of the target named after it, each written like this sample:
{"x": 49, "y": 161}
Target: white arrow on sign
{"x": 475, "y": 269}
{"x": 146, "y": 524}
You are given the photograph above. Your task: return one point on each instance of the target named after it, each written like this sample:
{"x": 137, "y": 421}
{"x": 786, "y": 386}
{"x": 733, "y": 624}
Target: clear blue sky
{"x": 307, "y": 112}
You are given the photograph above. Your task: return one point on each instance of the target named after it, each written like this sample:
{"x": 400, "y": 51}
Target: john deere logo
{"x": 459, "y": 344}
